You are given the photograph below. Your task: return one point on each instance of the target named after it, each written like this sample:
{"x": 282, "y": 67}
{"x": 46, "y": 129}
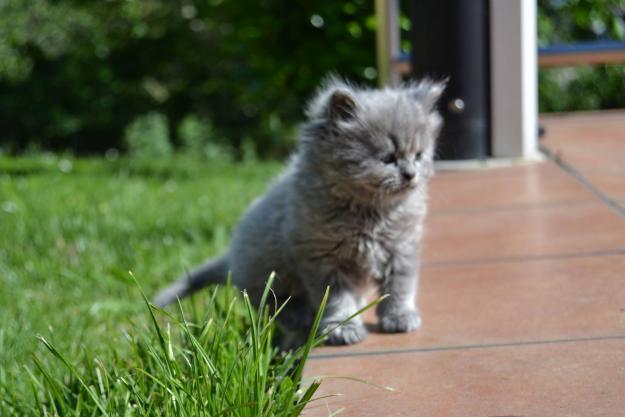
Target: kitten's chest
{"x": 358, "y": 244}
{"x": 368, "y": 247}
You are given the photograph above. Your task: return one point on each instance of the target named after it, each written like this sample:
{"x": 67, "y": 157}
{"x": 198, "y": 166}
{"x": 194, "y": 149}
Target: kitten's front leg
{"x": 341, "y": 304}
{"x": 398, "y": 313}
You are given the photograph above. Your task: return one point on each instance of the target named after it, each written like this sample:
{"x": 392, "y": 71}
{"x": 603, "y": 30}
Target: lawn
{"x": 72, "y": 229}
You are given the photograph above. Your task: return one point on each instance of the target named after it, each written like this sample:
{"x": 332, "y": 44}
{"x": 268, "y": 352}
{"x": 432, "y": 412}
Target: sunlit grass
{"x": 77, "y": 334}
{"x": 70, "y": 229}
{"x": 222, "y": 363}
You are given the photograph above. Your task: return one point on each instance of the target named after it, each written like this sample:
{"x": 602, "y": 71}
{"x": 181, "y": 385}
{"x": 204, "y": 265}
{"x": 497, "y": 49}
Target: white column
{"x": 514, "y": 89}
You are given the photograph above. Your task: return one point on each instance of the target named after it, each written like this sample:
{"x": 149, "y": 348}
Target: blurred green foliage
{"x": 581, "y": 87}
{"x": 200, "y": 140}
{"x": 74, "y": 74}
{"x": 148, "y": 136}
{"x": 77, "y": 74}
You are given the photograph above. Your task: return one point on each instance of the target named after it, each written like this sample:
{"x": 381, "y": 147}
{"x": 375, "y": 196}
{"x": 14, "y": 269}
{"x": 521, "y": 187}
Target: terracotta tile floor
{"x": 522, "y": 293}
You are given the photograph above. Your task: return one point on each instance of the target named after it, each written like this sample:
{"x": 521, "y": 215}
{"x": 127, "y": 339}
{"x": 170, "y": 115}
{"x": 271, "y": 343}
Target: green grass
{"x": 71, "y": 230}
{"x": 68, "y": 240}
{"x": 222, "y": 364}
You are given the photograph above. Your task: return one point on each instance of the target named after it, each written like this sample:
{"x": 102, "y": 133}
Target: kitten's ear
{"x": 341, "y": 106}
{"x": 428, "y": 92}
{"x": 334, "y": 101}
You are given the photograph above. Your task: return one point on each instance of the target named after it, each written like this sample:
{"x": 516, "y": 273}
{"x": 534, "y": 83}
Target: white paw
{"x": 400, "y": 321}
{"x": 346, "y": 334}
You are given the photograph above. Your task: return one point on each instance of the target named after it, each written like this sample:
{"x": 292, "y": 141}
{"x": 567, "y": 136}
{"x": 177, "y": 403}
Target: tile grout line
{"x": 464, "y": 347}
{"x": 516, "y": 207}
{"x": 528, "y": 258}
{"x": 570, "y": 169}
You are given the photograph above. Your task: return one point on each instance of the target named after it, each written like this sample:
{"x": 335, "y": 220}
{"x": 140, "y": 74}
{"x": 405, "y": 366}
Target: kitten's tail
{"x": 215, "y": 271}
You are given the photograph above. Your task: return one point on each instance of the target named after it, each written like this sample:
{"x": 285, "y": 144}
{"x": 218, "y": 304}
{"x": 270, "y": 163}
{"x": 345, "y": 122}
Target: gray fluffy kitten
{"x": 347, "y": 213}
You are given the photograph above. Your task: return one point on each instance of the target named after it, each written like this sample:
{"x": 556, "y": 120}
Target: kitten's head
{"x": 373, "y": 143}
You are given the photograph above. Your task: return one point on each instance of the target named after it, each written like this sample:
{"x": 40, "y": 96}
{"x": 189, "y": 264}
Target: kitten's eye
{"x": 390, "y": 159}
{"x": 418, "y": 155}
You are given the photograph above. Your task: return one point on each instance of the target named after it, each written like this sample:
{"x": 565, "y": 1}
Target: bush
{"x": 75, "y": 74}
{"x": 198, "y": 138}
{"x": 148, "y": 136}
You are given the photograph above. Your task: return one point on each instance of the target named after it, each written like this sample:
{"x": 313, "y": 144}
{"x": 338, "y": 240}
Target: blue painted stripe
{"x": 582, "y": 47}
{"x": 559, "y": 49}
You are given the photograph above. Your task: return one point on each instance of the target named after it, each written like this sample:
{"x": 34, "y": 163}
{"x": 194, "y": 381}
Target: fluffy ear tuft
{"x": 341, "y": 106}
{"x": 428, "y": 92}
{"x": 334, "y": 100}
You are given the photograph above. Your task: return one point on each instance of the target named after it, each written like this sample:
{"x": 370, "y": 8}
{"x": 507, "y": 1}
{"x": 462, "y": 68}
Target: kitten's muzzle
{"x": 406, "y": 171}
{"x": 408, "y": 174}
{"x": 406, "y": 184}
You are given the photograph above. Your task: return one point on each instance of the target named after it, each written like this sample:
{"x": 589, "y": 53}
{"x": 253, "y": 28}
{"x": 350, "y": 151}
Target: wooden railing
{"x": 581, "y": 53}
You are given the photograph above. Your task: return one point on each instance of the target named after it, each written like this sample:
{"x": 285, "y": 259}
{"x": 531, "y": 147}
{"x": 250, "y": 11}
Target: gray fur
{"x": 348, "y": 212}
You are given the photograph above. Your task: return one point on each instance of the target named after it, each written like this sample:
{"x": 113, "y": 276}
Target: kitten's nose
{"x": 408, "y": 174}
